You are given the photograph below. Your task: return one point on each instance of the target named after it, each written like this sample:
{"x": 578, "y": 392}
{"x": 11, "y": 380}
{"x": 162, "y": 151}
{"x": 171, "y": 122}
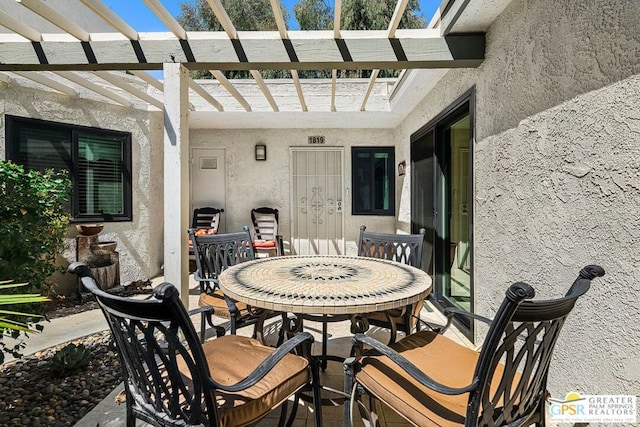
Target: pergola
{"x": 61, "y": 55}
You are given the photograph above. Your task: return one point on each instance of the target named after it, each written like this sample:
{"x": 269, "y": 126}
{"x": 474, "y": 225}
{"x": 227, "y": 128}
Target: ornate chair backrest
{"x": 264, "y": 223}
{"x": 206, "y": 218}
{"x": 154, "y": 337}
{"x": 216, "y": 252}
{"x": 404, "y": 248}
{"x": 517, "y": 350}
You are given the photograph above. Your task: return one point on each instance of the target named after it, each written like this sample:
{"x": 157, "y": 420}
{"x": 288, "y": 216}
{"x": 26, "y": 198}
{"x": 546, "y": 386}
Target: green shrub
{"x": 69, "y": 359}
{"x": 33, "y": 222}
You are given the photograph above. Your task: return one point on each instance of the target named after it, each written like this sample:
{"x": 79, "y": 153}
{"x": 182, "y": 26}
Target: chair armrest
{"x": 269, "y": 363}
{"x": 450, "y": 312}
{"x": 204, "y": 309}
{"x": 279, "y": 245}
{"x": 408, "y": 367}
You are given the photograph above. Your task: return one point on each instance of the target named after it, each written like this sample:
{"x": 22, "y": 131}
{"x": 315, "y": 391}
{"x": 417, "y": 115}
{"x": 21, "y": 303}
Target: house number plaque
{"x": 316, "y": 139}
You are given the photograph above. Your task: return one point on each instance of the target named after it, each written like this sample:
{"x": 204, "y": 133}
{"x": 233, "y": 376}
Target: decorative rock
{"x": 33, "y": 398}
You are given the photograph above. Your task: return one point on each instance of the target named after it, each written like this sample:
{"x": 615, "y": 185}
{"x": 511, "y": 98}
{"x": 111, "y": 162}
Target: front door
{"x": 317, "y": 209}
{"x": 208, "y": 180}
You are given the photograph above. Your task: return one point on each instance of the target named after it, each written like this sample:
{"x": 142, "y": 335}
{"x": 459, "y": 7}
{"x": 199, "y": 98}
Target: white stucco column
{"x": 176, "y": 178}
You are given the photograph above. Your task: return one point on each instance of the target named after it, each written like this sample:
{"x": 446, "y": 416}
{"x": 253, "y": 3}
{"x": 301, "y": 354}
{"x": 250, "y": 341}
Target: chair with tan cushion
{"x": 213, "y": 254}
{"x": 430, "y": 379}
{"x": 404, "y": 248}
{"x": 171, "y": 379}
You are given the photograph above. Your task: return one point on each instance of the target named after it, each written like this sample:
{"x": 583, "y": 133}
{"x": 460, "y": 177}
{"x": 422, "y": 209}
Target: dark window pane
{"x": 99, "y": 162}
{"x": 373, "y": 181}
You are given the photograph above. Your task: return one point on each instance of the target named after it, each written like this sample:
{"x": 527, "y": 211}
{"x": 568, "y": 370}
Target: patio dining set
{"x": 176, "y": 375}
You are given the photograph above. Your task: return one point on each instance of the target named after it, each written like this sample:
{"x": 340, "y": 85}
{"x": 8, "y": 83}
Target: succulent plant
{"x": 69, "y": 359}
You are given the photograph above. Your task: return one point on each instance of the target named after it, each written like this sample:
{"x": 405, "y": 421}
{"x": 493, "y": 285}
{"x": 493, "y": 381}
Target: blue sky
{"x": 138, "y": 15}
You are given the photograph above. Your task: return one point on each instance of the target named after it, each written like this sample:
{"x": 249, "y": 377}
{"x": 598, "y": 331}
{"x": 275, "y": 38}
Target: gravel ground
{"x": 30, "y": 397}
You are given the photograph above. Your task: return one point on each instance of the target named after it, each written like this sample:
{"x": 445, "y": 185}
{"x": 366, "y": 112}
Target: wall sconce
{"x": 402, "y": 167}
{"x": 261, "y": 152}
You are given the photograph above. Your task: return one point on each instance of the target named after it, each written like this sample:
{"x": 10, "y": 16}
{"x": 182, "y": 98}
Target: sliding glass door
{"x": 441, "y": 200}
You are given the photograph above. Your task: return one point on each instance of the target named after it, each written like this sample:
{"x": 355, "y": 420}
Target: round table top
{"x": 325, "y": 284}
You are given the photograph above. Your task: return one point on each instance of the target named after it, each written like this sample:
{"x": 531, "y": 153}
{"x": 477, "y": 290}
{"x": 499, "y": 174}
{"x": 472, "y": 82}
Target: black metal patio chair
{"x": 172, "y": 379}
{"x": 214, "y": 254}
{"x": 404, "y": 248}
{"x": 431, "y": 380}
{"x": 206, "y": 218}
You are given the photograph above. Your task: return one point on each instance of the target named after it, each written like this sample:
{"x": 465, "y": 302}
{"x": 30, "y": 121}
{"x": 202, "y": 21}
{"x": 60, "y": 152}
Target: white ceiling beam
{"x": 337, "y": 12}
{"x": 265, "y": 90}
{"x": 167, "y": 19}
{"x": 111, "y": 18}
{"x": 372, "y": 81}
{"x": 401, "y": 5}
{"x": 454, "y": 10}
{"x": 18, "y": 27}
{"x": 277, "y": 13}
{"x": 205, "y": 95}
{"x": 81, "y": 81}
{"x": 223, "y": 18}
{"x": 334, "y": 76}
{"x": 5, "y": 78}
{"x": 40, "y": 8}
{"x": 296, "y": 81}
{"x": 117, "y": 81}
{"x": 224, "y": 82}
{"x": 423, "y": 48}
{"x": 148, "y": 78}
{"x": 46, "y": 81}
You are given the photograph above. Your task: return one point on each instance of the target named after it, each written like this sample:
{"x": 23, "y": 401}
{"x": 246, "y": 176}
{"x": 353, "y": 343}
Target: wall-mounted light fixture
{"x": 261, "y": 152}
{"x": 402, "y": 167}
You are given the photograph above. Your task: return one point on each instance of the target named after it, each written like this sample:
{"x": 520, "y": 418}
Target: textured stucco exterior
{"x": 557, "y": 175}
{"x": 140, "y": 242}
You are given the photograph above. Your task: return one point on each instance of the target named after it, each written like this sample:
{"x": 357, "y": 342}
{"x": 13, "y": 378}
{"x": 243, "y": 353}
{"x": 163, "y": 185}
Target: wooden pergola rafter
{"x": 26, "y": 49}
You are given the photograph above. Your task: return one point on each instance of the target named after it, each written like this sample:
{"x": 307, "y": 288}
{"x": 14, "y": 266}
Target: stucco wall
{"x": 557, "y": 175}
{"x": 140, "y": 241}
{"x": 251, "y": 184}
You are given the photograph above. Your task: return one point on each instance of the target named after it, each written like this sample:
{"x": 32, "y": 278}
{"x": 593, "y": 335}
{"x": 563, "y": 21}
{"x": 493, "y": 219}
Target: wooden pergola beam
{"x": 265, "y": 90}
{"x": 18, "y": 27}
{"x": 118, "y": 82}
{"x": 205, "y": 95}
{"x": 81, "y": 81}
{"x": 111, "y": 18}
{"x": 50, "y": 14}
{"x": 49, "y": 82}
{"x": 224, "y": 82}
{"x": 252, "y": 51}
{"x": 167, "y": 19}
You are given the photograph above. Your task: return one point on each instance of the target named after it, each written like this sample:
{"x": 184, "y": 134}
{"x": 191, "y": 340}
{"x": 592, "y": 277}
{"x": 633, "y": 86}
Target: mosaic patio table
{"x": 331, "y": 287}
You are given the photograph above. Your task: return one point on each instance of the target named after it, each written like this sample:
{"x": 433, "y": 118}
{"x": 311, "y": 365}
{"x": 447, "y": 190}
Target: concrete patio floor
{"x": 109, "y": 414}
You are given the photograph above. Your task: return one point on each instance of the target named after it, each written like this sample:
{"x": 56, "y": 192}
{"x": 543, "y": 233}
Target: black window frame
{"x": 356, "y": 191}
{"x": 13, "y": 154}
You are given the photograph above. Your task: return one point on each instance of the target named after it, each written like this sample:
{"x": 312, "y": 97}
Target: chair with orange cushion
{"x": 215, "y": 253}
{"x": 264, "y": 231}
{"x": 429, "y": 379}
{"x": 172, "y": 379}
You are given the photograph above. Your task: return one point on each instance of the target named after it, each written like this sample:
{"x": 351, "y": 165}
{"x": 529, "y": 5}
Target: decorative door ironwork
{"x": 316, "y": 201}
